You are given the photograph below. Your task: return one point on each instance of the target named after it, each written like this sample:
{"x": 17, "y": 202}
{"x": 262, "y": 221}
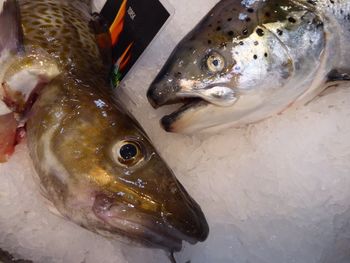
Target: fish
{"x": 94, "y": 162}
{"x": 248, "y": 60}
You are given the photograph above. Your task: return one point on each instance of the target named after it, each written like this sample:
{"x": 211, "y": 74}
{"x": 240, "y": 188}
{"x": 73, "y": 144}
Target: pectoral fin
{"x": 335, "y": 79}
{"x": 338, "y": 76}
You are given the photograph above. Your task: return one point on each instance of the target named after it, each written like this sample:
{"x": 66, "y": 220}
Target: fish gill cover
{"x": 133, "y": 25}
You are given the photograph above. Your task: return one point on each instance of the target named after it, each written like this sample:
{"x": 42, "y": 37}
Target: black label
{"x": 133, "y": 24}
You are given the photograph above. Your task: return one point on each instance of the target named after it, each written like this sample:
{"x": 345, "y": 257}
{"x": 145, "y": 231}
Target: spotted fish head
{"x": 236, "y": 60}
{"x": 100, "y": 170}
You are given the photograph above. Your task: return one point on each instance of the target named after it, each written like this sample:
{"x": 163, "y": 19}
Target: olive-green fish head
{"x": 101, "y": 170}
{"x": 240, "y": 58}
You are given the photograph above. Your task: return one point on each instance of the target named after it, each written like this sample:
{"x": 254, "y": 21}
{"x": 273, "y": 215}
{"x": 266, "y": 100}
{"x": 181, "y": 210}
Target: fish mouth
{"x": 194, "y": 96}
{"x": 187, "y": 104}
{"x": 142, "y": 227}
{"x": 172, "y": 122}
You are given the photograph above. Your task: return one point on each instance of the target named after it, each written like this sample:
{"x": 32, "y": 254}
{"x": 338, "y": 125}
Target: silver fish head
{"x": 237, "y": 64}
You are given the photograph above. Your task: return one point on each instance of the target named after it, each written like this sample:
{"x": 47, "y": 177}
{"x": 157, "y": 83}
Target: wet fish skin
{"x": 94, "y": 162}
{"x": 248, "y": 60}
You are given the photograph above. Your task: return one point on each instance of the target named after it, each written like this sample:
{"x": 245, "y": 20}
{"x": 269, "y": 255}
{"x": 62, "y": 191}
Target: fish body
{"x": 248, "y": 60}
{"x": 94, "y": 162}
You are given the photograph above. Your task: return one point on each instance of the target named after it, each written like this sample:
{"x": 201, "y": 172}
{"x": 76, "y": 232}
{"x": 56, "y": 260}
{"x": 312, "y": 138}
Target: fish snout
{"x": 165, "y": 227}
{"x": 163, "y": 91}
{"x": 186, "y": 221}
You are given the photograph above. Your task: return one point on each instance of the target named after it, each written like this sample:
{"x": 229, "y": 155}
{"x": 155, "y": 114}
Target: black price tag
{"x": 132, "y": 24}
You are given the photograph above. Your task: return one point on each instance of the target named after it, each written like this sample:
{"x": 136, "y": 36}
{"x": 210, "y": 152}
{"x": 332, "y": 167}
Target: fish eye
{"x": 215, "y": 62}
{"x": 128, "y": 153}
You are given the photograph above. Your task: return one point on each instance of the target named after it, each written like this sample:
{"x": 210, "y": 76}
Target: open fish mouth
{"x": 193, "y": 95}
{"x": 176, "y": 120}
{"x": 184, "y": 114}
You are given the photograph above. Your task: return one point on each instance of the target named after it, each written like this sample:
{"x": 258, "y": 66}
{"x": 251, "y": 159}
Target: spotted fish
{"x": 247, "y": 60}
{"x": 94, "y": 162}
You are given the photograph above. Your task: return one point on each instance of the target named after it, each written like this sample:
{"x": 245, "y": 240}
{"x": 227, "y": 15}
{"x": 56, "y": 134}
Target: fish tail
{"x": 11, "y": 37}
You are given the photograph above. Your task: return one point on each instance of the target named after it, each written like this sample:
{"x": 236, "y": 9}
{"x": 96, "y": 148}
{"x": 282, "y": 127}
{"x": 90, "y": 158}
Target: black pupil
{"x": 128, "y": 151}
{"x": 216, "y": 62}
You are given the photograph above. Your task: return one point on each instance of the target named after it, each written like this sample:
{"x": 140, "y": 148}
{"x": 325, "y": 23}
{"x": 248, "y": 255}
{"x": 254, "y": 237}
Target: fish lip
{"x": 168, "y": 121}
{"x": 150, "y": 230}
{"x": 160, "y": 95}
{"x": 157, "y": 98}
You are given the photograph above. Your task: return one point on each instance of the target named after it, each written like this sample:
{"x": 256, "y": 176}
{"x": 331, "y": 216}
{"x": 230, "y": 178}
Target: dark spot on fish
{"x": 267, "y": 14}
{"x": 265, "y": 55}
{"x": 245, "y": 32}
{"x": 229, "y": 19}
{"x": 279, "y": 32}
{"x": 218, "y": 28}
{"x": 241, "y": 43}
{"x": 209, "y": 41}
{"x": 255, "y": 57}
{"x": 250, "y": 10}
{"x": 177, "y": 74}
{"x": 292, "y": 20}
{"x": 260, "y": 32}
{"x": 231, "y": 33}
{"x": 256, "y": 43}
{"x": 247, "y": 19}
{"x": 332, "y": 2}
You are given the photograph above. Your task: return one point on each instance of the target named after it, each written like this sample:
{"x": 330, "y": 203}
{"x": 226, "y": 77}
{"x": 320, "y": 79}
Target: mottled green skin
{"x": 62, "y": 29}
{"x": 73, "y": 129}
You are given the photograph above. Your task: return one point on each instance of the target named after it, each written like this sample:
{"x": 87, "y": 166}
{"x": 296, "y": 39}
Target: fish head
{"x": 235, "y": 62}
{"x": 100, "y": 169}
{"x": 200, "y": 66}
{"x": 143, "y": 199}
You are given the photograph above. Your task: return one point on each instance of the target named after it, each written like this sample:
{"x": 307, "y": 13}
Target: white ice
{"x": 277, "y": 191}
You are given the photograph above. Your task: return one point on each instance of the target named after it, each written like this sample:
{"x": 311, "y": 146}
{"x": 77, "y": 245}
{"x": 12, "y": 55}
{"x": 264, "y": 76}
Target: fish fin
{"x": 338, "y": 75}
{"x": 11, "y": 35}
{"x": 335, "y": 79}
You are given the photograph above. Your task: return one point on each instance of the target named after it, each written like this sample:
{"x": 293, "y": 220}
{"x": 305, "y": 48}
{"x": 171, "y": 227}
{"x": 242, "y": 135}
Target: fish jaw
{"x": 150, "y": 229}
